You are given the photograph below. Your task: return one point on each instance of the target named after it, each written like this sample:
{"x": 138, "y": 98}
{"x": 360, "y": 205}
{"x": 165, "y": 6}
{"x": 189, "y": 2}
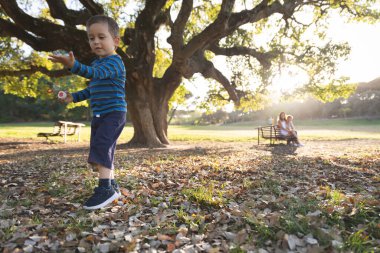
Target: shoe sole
{"x": 101, "y": 205}
{"x": 117, "y": 191}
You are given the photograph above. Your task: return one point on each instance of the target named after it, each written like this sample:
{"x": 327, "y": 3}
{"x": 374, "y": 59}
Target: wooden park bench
{"x": 270, "y": 132}
{"x": 64, "y": 128}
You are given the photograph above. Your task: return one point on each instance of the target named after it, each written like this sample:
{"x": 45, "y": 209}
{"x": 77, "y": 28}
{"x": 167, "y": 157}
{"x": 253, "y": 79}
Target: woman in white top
{"x": 286, "y": 131}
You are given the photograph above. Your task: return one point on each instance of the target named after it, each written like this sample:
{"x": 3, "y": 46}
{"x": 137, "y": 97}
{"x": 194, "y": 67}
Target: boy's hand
{"x": 67, "y": 99}
{"x": 67, "y": 60}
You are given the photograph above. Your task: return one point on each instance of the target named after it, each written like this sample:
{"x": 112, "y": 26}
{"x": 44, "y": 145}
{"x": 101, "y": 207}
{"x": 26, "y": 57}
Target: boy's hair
{"x": 113, "y": 28}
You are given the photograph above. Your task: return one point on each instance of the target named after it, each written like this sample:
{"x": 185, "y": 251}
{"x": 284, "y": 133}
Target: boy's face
{"x": 102, "y": 43}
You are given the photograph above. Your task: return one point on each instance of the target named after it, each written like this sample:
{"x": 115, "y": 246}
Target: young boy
{"x": 106, "y": 92}
{"x": 290, "y": 125}
{"x": 291, "y": 128}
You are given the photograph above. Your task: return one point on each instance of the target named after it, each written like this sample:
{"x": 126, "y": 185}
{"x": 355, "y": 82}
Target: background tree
{"x": 179, "y": 98}
{"x": 262, "y": 37}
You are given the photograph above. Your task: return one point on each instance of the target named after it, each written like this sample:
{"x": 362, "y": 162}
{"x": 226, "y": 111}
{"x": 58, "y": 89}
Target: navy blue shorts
{"x": 105, "y": 130}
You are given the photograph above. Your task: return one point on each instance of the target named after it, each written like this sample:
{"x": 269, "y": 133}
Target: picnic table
{"x": 64, "y": 128}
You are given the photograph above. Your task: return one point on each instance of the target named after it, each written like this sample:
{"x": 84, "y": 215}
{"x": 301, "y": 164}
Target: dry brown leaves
{"x": 203, "y": 197}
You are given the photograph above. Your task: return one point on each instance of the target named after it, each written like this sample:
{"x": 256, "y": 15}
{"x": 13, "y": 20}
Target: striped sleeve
{"x": 81, "y": 95}
{"x": 109, "y": 69}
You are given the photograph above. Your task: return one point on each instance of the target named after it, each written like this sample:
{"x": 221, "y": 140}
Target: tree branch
{"x": 261, "y": 11}
{"x": 42, "y": 35}
{"x": 211, "y": 33}
{"x": 263, "y": 58}
{"x": 199, "y": 64}
{"x": 94, "y": 8}
{"x": 27, "y": 22}
{"x": 226, "y": 10}
{"x": 219, "y": 96}
{"x": 176, "y": 36}
{"x": 8, "y": 29}
{"x": 145, "y": 30}
{"x": 59, "y": 10}
{"x": 226, "y": 23}
{"x": 34, "y": 69}
{"x": 209, "y": 71}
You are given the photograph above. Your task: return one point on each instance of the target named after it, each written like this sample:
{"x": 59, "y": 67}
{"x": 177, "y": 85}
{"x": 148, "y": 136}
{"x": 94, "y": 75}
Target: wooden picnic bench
{"x": 270, "y": 132}
{"x": 64, "y": 128}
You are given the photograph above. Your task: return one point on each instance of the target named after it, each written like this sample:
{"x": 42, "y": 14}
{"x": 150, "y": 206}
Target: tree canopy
{"x": 166, "y": 41}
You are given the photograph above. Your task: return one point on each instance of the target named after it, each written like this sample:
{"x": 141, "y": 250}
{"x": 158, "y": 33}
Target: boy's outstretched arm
{"x": 112, "y": 68}
{"x": 76, "y": 96}
{"x": 66, "y": 60}
{"x": 81, "y": 95}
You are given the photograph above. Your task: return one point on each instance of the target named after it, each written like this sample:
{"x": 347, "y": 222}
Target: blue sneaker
{"x": 116, "y": 187}
{"x": 101, "y": 197}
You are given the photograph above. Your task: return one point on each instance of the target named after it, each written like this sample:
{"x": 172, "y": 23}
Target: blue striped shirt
{"x": 106, "y": 89}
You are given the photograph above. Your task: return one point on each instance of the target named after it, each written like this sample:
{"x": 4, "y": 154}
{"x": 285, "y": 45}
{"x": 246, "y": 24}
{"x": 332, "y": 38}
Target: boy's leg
{"x": 108, "y": 129}
{"x": 114, "y": 184}
{"x": 295, "y": 139}
{"x": 102, "y": 148}
{"x": 289, "y": 139}
{"x": 104, "y": 173}
{"x": 104, "y": 194}
{"x": 94, "y": 127}
{"x": 117, "y": 132}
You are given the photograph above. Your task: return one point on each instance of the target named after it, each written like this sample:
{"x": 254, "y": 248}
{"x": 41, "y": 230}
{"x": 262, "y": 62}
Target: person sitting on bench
{"x": 287, "y": 130}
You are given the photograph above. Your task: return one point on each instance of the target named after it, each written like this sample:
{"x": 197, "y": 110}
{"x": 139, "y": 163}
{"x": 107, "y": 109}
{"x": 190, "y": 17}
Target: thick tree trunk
{"x": 148, "y": 107}
{"x": 149, "y": 124}
{"x": 147, "y": 96}
{"x": 148, "y": 112}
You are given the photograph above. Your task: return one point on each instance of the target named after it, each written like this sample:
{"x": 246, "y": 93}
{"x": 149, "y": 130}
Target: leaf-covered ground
{"x": 194, "y": 197}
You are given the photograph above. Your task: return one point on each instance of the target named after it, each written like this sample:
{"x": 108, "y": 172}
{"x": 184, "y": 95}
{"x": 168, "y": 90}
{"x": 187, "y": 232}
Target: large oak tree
{"x": 196, "y": 32}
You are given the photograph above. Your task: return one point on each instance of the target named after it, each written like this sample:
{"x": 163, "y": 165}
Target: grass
{"x": 7, "y": 233}
{"x": 270, "y": 186}
{"x": 349, "y": 216}
{"x": 205, "y": 195}
{"x": 358, "y": 242}
{"x": 334, "y": 129}
{"x": 191, "y": 220}
{"x": 264, "y": 232}
{"x": 294, "y": 220}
